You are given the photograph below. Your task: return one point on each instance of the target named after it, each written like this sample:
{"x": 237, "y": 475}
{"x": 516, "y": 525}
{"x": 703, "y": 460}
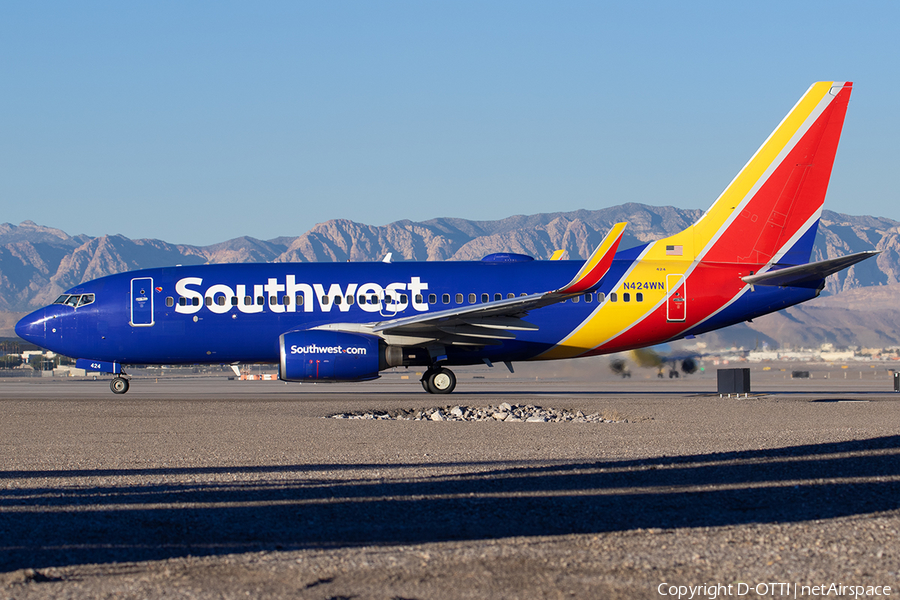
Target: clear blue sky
{"x": 197, "y": 122}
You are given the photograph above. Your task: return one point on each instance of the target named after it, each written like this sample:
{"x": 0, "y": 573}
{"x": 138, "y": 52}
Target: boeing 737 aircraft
{"x": 747, "y": 256}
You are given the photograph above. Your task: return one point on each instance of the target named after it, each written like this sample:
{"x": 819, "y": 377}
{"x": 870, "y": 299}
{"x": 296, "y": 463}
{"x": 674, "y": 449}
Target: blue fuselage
{"x": 236, "y": 312}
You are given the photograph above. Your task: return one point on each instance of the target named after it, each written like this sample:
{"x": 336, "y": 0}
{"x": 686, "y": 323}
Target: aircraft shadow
{"x": 294, "y": 507}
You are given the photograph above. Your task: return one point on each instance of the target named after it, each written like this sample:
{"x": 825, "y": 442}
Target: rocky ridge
{"x": 38, "y": 263}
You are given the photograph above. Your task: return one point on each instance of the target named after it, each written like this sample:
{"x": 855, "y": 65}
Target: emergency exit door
{"x": 142, "y": 302}
{"x": 676, "y": 298}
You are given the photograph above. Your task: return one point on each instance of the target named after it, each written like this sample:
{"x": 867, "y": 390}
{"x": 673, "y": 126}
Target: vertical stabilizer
{"x": 773, "y": 205}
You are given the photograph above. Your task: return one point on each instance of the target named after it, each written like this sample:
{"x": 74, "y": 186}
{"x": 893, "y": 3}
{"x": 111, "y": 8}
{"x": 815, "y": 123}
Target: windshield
{"x": 75, "y": 300}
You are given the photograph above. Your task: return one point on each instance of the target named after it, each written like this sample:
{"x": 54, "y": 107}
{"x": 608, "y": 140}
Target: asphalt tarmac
{"x": 208, "y": 488}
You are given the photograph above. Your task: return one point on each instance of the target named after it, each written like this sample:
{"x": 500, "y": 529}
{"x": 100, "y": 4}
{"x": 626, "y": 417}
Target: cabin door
{"x": 676, "y": 298}
{"x": 142, "y": 302}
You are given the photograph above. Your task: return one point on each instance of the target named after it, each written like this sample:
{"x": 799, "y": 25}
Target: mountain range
{"x": 37, "y": 263}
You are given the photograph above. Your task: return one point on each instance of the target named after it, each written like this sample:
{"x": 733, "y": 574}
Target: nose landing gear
{"x": 119, "y": 385}
{"x": 439, "y": 381}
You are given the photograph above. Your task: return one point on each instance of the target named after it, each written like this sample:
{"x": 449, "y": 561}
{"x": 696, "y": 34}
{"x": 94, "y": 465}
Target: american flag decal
{"x": 674, "y": 250}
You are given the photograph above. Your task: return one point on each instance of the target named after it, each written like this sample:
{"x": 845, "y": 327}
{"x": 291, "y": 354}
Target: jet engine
{"x": 318, "y": 355}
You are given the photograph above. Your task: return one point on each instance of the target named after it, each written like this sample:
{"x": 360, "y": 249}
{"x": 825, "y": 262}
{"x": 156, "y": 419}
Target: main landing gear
{"x": 119, "y": 385}
{"x": 439, "y": 381}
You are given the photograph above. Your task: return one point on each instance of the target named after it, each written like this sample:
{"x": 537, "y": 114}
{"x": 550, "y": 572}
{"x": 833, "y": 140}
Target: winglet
{"x": 595, "y": 267}
{"x": 558, "y": 255}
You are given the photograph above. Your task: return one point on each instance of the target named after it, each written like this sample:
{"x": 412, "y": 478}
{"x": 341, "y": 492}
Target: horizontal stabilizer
{"x": 597, "y": 265}
{"x": 802, "y": 275}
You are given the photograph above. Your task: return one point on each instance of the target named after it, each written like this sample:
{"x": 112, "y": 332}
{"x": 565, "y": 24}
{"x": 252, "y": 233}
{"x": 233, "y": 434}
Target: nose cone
{"x": 32, "y": 328}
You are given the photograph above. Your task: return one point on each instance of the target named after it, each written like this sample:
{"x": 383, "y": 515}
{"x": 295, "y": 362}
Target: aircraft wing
{"x": 801, "y": 275}
{"x": 490, "y": 322}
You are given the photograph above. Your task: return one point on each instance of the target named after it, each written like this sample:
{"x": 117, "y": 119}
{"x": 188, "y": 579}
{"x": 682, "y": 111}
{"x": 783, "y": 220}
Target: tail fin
{"x": 770, "y": 211}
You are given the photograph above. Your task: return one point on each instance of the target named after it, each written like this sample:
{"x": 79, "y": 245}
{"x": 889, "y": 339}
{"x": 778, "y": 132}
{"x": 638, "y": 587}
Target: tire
{"x": 441, "y": 381}
{"x": 119, "y": 385}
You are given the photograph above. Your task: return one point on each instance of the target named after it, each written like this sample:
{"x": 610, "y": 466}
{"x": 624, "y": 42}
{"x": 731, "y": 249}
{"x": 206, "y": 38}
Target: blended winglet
{"x": 597, "y": 265}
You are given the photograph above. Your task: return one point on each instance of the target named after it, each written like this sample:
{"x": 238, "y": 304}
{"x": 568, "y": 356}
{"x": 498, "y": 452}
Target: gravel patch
{"x": 508, "y": 413}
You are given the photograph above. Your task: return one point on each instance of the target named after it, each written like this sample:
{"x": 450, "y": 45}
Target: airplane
{"x": 657, "y": 357}
{"x": 748, "y": 255}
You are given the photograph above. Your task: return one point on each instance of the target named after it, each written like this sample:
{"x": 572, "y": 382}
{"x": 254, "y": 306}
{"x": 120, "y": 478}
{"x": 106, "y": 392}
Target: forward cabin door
{"x": 676, "y": 299}
{"x": 142, "y": 302}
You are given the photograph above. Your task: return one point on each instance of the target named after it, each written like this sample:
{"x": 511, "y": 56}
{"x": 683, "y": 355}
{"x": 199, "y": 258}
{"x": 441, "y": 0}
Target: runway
{"x": 207, "y": 488}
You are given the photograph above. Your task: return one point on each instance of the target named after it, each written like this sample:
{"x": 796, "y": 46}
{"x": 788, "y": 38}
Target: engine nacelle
{"x": 317, "y": 355}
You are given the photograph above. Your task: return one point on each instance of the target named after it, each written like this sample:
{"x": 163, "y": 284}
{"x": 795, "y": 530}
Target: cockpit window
{"x": 75, "y": 300}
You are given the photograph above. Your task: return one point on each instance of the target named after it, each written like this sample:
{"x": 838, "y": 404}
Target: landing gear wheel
{"x": 119, "y": 385}
{"x": 439, "y": 381}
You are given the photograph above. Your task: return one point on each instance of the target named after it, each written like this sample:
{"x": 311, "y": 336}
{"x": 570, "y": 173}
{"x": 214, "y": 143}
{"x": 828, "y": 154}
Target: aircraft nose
{"x": 31, "y": 328}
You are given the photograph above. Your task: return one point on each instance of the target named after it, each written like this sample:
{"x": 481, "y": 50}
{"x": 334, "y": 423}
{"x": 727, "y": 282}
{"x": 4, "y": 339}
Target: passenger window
{"x": 418, "y": 298}
{"x": 445, "y": 299}
{"x": 286, "y": 300}
{"x": 510, "y": 295}
{"x": 350, "y": 300}
{"x": 248, "y": 300}
{"x": 498, "y": 297}
{"x": 588, "y": 298}
{"x": 639, "y": 297}
{"x": 208, "y": 301}
{"x": 373, "y": 299}
{"x": 613, "y": 297}
{"x": 404, "y": 299}
{"x": 337, "y": 299}
{"x": 459, "y": 298}
{"x": 299, "y": 299}
{"x": 601, "y": 297}
{"x": 182, "y": 301}
{"x": 273, "y": 300}
{"x": 234, "y": 300}
{"x": 485, "y": 298}
{"x": 432, "y": 299}
{"x": 220, "y": 300}
{"x": 576, "y": 299}
{"x": 471, "y": 298}
{"x": 170, "y": 301}
{"x": 626, "y": 297}
{"x": 324, "y": 300}
{"x": 260, "y": 300}
{"x": 195, "y": 301}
